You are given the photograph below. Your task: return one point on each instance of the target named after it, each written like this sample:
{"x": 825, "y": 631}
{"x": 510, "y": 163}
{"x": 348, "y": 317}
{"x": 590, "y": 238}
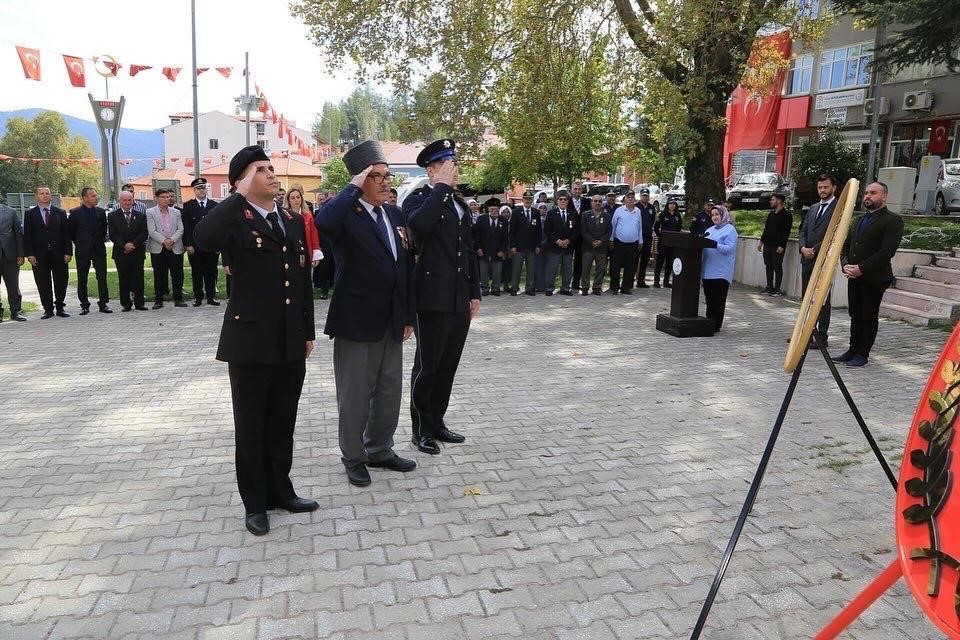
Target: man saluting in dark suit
{"x": 46, "y": 241}
{"x": 88, "y": 230}
{"x": 812, "y": 230}
{"x": 267, "y": 330}
{"x": 448, "y": 292}
{"x": 203, "y": 264}
{"x": 371, "y": 314}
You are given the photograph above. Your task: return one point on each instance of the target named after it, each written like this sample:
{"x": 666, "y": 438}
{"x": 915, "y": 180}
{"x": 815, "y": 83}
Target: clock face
{"x": 107, "y": 114}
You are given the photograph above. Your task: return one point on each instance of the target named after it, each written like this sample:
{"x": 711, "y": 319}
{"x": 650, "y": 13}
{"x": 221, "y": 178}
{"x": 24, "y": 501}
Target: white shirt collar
{"x": 827, "y": 202}
{"x": 264, "y": 212}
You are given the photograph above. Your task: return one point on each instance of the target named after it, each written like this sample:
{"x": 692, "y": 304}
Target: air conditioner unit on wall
{"x": 869, "y": 106}
{"x": 918, "y": 100}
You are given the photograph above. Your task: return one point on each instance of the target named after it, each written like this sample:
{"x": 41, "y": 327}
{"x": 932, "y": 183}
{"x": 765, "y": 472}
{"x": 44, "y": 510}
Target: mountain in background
{"x": 134, "y": 143}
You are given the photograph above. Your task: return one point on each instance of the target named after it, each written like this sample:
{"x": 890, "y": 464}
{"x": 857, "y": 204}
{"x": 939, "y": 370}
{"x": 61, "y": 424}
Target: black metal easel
{"x": 765, "y": 459}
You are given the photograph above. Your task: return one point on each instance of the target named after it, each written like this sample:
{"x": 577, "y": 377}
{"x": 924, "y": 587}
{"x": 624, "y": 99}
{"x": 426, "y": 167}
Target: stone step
{"x": 956, "y": 252}
{"x": 937, "y": 274}
{"x": 929, "y": 288}
{"x": 923, "y": 302}
{"x": 913, "y": 316}
{"x": 947, "y": 262}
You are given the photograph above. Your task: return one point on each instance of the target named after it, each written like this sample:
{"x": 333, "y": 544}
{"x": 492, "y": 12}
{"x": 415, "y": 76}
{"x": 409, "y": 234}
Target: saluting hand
{"x": 246, "y": 181}
{"x": 447, "y": 173}
{"x": 361, "y": 177}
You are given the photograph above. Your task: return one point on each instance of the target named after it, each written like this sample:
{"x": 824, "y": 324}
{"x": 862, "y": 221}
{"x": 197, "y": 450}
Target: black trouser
{"x": 664, "y": 262}
{"x": 83, "y": 270}
{"x": 623, "y": 258}
{"x": 773, "y": 261}
{"x": 10, "y": 275}
{"x": 864, "y": 300}
{"x": 323, "y": 273}
{"x": 163, "y": 263}
{"x": 51, "y": 275}
{"x": 265, "y": 398}
{"x": 823, "y": 322}
{"x": 715, "y": 294}
{"x": 577, "y": 261}
{"x": 644, "y": 260}
{"x": 440, "y": 340}
{"x": 507, "y": 272}
{"x": 203, "y": 271}
{"x": 130, "y": 275}
{"x": 491, "y": 274}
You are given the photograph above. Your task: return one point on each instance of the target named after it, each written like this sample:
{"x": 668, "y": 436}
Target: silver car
{"x": 948, "y": 188}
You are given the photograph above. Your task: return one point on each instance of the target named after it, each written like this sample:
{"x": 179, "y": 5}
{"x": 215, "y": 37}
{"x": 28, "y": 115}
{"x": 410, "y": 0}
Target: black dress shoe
{"x": 143, "y": 308}
{"x": 358, "y": 475}
{"x": 105, "y": 309}
{"x": 84, "y": 311}
{"x": 613, "y": 292}
{"x": 656, "y": 285}
{"x": 566, "y": 293}
{"x": 296, "y": 504}
{"x": 530, "y": 293}
{"x": 496, "y": 292}
{"x": 585, "y": 292}
{"x": 125, "y": 309}
{"x": 627, "y": 292}
{"x": 62, "y": 314}
{"x": 549, "y": 293}
{"x": 258, "y": 524}
{"x": 667, "y": 285}
{"x": 845, "y": 356}
{"x": 46, "y": 315}
{"x": 197, "y": 303}
{"x": 212, "y": 302}
{"x": 513, "y": 293}
{"x": 396, "y": 463}
{"x": 643, "y": 285}
{"x": 445, "y": 435}
{"x": 597, "y": 292}
{"x": 179, "y": 303}
{"x": 157, "y": 305}
{"x": 427, "y": 445}
{"x": 18, "y": 317}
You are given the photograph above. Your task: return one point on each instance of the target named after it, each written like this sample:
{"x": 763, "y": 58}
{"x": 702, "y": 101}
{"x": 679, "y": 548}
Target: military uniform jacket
{"x": 447, "y": 273}
{"x": 491, "y": 238}
{"x": 667, "y": 222}
{"x": 647, "y": 214}
{"x": 372, "y": 291}
{"x": 700, "y": 223}
{"x": 872, "y": 247}
{"x": 269, "y": 317}
{"x": 192, "y": 214}
{"x": 525, "y": 236}
{"x": 596, "y": 227}
{"x": 556, "y": 228}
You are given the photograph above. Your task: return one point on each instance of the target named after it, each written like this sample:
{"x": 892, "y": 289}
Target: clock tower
{"x": 107, "y": 113}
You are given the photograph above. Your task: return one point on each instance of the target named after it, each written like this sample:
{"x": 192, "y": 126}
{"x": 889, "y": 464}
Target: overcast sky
{"x": 152, "y": 32}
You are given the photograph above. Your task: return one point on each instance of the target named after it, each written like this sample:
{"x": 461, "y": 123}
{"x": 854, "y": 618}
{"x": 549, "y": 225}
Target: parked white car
{"x": 658, "y": 197}
{"x": 948, "y": 188}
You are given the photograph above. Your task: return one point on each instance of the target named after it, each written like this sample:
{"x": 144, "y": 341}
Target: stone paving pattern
{"x": 611, "y": 462}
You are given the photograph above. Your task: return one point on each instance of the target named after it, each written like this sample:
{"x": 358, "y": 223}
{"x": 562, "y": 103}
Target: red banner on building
{"x": 752, "y": 119}
{"x": 940, "y": 137}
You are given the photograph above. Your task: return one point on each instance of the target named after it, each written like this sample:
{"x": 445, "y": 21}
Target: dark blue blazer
{"x": 372, "y": 292}
{"x": 88, "y": 231}
{"x": 491, "y": 239}
{"x": 53, "y": 238}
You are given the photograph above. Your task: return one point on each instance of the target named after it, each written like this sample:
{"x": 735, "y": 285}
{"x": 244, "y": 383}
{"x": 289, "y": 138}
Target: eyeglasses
{"x": 378, "y": 178}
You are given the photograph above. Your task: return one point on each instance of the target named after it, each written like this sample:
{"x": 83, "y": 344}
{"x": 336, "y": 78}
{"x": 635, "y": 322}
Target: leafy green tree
{"x": 493, "y": 174}
{"x": 335, "y": 175}
{"x": 825, "y": 151}
{"x": 932, "y": 37}
{"x": 46, "y": 136}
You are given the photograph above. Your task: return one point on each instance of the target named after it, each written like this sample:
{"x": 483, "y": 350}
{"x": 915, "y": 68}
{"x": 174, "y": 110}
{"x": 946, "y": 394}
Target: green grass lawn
{"x": 934, "y": 234}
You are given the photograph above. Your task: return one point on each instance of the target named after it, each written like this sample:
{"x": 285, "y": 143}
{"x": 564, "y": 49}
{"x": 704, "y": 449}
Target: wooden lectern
{"x": 684, "y": 320}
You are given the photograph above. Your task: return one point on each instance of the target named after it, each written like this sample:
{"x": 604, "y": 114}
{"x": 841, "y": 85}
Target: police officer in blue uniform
{"x": 268, "y": 330}
{"x": 447, "y": 282}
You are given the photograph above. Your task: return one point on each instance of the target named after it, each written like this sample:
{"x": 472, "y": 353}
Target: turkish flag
{"x": 112, "y": 67}
{"x": 225, "y": 71}
{"x": 207, "y": 160}
{"x": 188, "y": 162}
{"x": 282, "y": 128}
{"x": 171, "y": 73}
{"x": 137, "y": 68}
{"x": 202, "y": 69}
{"x": 174, "y": 158}
{"x": 752, "y": 119}
{"x": 30, "y": 60}
{"x": 75, "y": 70}
{"x": 273, "y": 116}
{"x": 264, "y": 105}
{"x": 939, "y": 137}
{"x": 289, "y": 137}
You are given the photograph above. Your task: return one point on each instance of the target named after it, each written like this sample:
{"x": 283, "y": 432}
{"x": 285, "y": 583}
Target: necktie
{"x": 527, "y": 212}
{"x": 382, "y": 226}
{"x": 275, "y": 224}
{"x": 823, "y": 207}
{"x": 127, "y": 214}
{"x": 46, "y": 217}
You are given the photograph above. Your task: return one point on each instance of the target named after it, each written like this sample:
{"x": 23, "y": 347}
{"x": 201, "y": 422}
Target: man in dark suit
{"x": 873, "y": 240}
{"x": 579, "y": 206}
{"x": 524, "y": 238}
{"x": 595, "y": 229}
{"x": 372, "y": 313}
{"x": 267, "y": 332}
{"x": 562, "y": 229}
{"x": 812, "y": 230}
{"x": 647, "y": 214}
{"x": 128, "y": 231}
{"x": 46, "y": 241}
{"x": 203, "y": 265}
{"x": 490, "y": 243}
{"x": 447, "y": 281}
{"x": 88, "y": 231}
{"x": 11, "y": 259}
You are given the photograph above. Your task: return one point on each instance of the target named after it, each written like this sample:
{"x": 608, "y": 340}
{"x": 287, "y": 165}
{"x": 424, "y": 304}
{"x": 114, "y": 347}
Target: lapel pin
{"x": 247, "y": 214}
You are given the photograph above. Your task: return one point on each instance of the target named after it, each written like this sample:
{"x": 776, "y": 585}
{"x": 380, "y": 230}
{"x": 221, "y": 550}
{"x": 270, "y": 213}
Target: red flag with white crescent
{"x": 75, "y": 70}
{"x": 30, "y": 60}
{"x": 188, "y": 162}
{"x": 225, "y": 71}
{"x": 171, "y": 73}
{"x": 112, "y": 67}
{"x": 282, "y": 128}
{"x": 137, "y": 68}
{"x": 202, "y": 69}
{"x": 940, "y": 137}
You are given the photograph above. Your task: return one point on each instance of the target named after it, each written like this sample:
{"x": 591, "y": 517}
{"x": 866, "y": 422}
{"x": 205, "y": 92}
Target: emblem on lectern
{"x": 677, "y": 266}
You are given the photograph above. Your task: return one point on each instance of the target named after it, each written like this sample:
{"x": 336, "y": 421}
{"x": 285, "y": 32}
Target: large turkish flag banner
{"x": 939, "y": 137}
{"x": 751, "y": 119}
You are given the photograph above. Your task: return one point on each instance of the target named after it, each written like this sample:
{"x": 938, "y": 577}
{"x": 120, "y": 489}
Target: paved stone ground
{"x": 611, "y": 461}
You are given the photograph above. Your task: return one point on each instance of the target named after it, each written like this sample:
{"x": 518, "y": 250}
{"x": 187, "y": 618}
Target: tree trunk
{"x": 704, "y": 173}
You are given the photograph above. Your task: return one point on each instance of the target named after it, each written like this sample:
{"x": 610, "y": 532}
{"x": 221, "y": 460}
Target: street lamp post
{"x": 196, "y": 111}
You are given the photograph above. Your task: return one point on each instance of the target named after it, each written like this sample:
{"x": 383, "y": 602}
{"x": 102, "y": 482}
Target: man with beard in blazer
{"x": 46, "y": 241}
{"x": 203, "y": 265}
{"x": 524, "y": 237}
{"x": 811, "y": 236}
{"x": 267, "y": 332}
{"x": 88, "y": 231}
{"x": 448, "y": 292}
{"x": 371, "y": 314}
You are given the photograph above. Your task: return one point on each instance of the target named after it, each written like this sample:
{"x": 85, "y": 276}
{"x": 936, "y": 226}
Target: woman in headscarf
{"x": 718, "y": 263}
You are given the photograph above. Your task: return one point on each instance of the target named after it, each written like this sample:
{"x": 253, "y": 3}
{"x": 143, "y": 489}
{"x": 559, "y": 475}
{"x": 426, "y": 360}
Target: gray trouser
{"x": 600, "y": 260}
{"x": 10, "y": 275}
{"x": 528, "y": 258}
{"x": 563, "y": 261}
{"x": 490, "y": 267}
{"x": 369, "y": 379}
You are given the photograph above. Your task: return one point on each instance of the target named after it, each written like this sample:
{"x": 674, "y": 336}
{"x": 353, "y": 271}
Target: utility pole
{"x": 196, "y": 113}
{"x": 875, "y": 95}
{"x": 246, "y": 91}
